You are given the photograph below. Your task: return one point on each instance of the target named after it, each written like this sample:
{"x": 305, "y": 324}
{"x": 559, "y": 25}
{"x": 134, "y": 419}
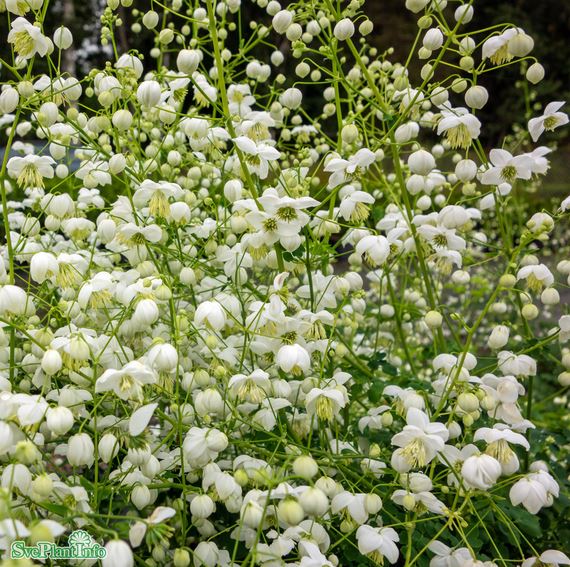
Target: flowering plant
{"x": 266, "y": 299}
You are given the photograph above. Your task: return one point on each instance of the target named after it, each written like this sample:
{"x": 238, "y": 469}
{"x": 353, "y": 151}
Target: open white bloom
{"x": 506, "y": 168}
{"x": 128, "y": 382}
{"x": 28, "y": 39}
{"x": 378, "y": 543}
{"x": 203, "y": 445}
{"x": 30, "y": 170}
{"x": 344, "y": 169}
{"x": 258, "y": 155}
{"x": 549, "y": 121}
{"x": 420, "y": 440}
{"x": 156, "y": 195}
{"x": 531, "y": 493}
{"x": 537, "y": 277}
{"x": 325, "y": 403}
{"x": 459, "y": 126}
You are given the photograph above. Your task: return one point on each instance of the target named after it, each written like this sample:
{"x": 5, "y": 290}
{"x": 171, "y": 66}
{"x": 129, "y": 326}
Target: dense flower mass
{"x": 267, "y": 299}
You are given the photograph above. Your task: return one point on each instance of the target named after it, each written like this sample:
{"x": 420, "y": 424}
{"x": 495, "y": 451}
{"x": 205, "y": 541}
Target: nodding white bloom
{"x": 354, "y": 204}
{"x": 499, "y": 337}
{"x": 531, "y": 493}
{"x": 549, "y": 121}
{"x": 128, "y": 382}
{"x": 550, "y": 557}
{"x": 203, "y": 445}
{"x": 378, "y": 543}
{"x": 374, "y": 248}
{"x": 312, "y": 556}
{"x": 252, "y": 388}
{"x": 459, "y": 126}
{"x": 30, "y": 171}
{"x": 353, "y": 505}
{"x": 240, "y": 99}
{"x": 419, "y": 501}
{"x": 258, "y": 155}
{"x": 343, "y": 169}
{"x": 28, "y": 39}
{"x": 496, "y": 48}
{"x": 294, "y": 359}
{"x": 326, "y": 404}
{"x": 481, "y": 471}
{"x": 80, "y": 450}
{"x": 506, "y": 168}
{"x": 516, "y": 365}
{"x": 419, "y": 441}
{"x": 211, "y": 314}
{"x": 14, "y": 301}
{"x": 498, "y": 439}
{"x": 156, "y": 195}
{"x": 136, "y": 235}
{"x": 537, "y": 276}
{"x": 119, "y": 554}
{"x": 448, "y": 557}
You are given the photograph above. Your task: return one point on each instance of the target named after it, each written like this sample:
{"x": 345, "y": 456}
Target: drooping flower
{"x": 549, "y": 121}
{"x": 28, "y": 39}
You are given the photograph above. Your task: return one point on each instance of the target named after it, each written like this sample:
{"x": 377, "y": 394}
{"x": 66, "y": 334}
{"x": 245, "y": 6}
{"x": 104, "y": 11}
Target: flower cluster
{"x": 250, "y": 321}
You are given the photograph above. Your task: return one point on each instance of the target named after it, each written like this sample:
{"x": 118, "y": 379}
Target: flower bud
{"x": 291, "y": 98}
{"x": 344, "y": 29}
{"x": 122, "y": 119}
{"x": 118, "y": 553}
{"x": 202, "y": 506}
{"x": 535, "y": 73}
{"x": 290, "y": 512}
{"x": 433, "y": 319}
{"x": 80, "y": 450}
{"x": 9, "y": 99}
{"x": 181, "y": 558}
{"x": 51, "y": 362}
{"x": 476, "y": 97}
{"x": 314, "y": 502}
{"x": 421, "y": 162}
{"x": 433, "y": 39}
{"x": 499, "y": 337}
{"x": 282, "y": 20}
{"x": 62, "y": 38}
{"x": 108, "y": 447}
{"x": 305, "y": 467}
{"x": 188, "y": 60}
{"x": 530, "y": 311}
{"x": 140, "y": 496}
{"x": 550, "y": 296}
{"x": 59, "y": 420}
{"x": 148, "y": 93}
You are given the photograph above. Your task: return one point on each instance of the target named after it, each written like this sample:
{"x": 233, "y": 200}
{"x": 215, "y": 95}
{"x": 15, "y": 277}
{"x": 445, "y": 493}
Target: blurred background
{"x": 547, "y": 21}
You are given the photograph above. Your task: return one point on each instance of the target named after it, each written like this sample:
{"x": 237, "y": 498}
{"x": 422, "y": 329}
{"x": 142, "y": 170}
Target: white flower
{"x": 343, "y": 169}
{"x": 128, "y": 382}
{"x": 496, "y": 48}
{"x": 481, "y": 471}
{"x": 550, "y": 120}
{"x": 294, "y": 359}
{"x": 529, "y": 492}
{"x": 353, "y": 206}
{"x": 505, "y": 168}
{"x": 203, "y": 445}
{"x": 28, "y": 39}
{"x": 374, "y": 248}
{"x": 30, "y": 171}
{"x": 420, "y": 440}
{"x": 448, "y": 557}
{"x": 313, "y": 556}
{"x": 378, "y": 543}
{"x": 156, "y": 195}
{"x": 80, "y": 450}
{"x": 210, "y": 314}
{"x": 258, "y": 155}
{"x": 517, "y": 365}
{"x": 325, "y": 404}
{"x": 119, "y": 554}
{"x": 536, "y": 276}
{"x": 459, "y": 126}
{"x": 549, "y": 557}
{"x": 499, "y": 337}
